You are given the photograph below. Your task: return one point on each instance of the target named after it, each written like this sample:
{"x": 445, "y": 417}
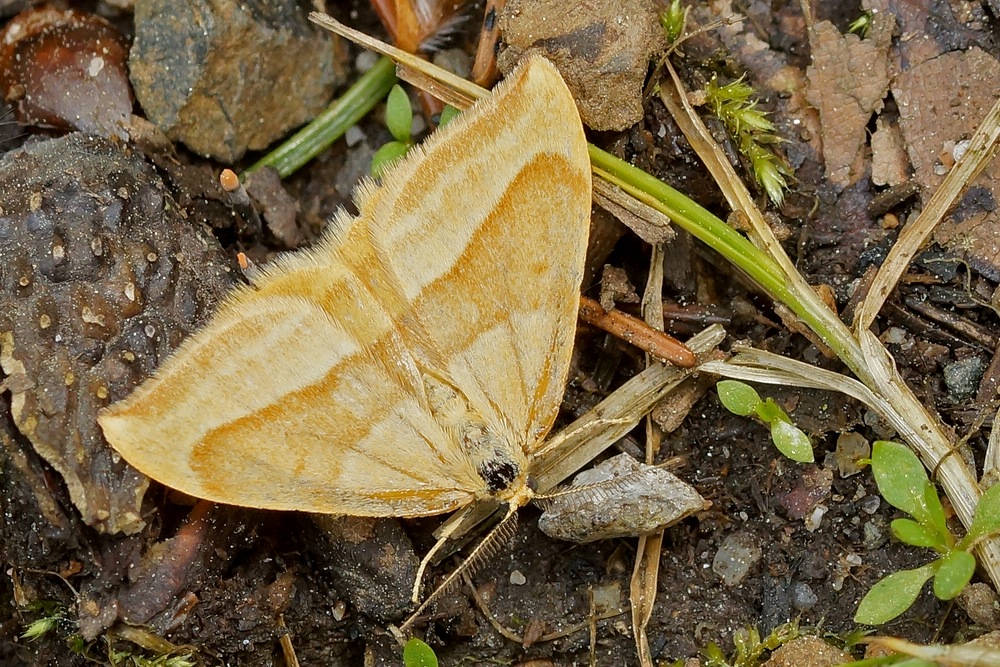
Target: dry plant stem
{"x": 991, "y": 462}
{"x": 982, "y": 148}
{"x": 465, "y": 88}
{"x": 638, "y": 333}
{"x": 287, "y": 648}
{"x": 646, "y": 571}
{"x": 943, "y": 654}
{"x": 864, "y": 354}
{"x": 420, "y": 80}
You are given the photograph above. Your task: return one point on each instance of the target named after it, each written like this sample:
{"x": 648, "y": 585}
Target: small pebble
{"x": 455, "y": 61}
{"x": 962, "y": 378}
{"x": 517, "y": 578}
{"x": 803, "y": 597}
{"x": 895, "y": 336}
{"x": 874, "y": 537}
{"x": 870, "y": 504}
{"x": 354, "y": 136}
{"x": 881, "y": 427}
{"x": 365, "y": 61}
{"x": 735, "y": 557}
{"x": 960, "y": 149}
{"x": 815, "y": 518}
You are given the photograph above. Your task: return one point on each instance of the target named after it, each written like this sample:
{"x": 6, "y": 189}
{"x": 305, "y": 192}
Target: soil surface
{"x": 119, "y": 571}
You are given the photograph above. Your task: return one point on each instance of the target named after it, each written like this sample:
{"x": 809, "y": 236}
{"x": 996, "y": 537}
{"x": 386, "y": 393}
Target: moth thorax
{"x": 495, "y": 458}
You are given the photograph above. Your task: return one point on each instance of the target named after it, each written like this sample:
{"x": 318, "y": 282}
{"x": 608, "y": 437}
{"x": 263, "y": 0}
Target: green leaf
{"x": 861, "y": 25}
{"x": 892, "y": 596}
{"x": 40, "y": 627}
{"x": 672, "y": 20}
{"x": 986, "y": 520}
{"x": 398, "y": 114}
{"x": 901, "y": 478}
{"x": 769, "y": 412}
{"x": 954, "y": 573}
{"x": 386, "y": 156}
{"x": 418, "y": 654}
{"x": 916, "y": 534}
{"x": 791, "y": 441}
{"x": 447, "y": 115}
{"x": 738, "y": 397}
{"x": 936, "y": 520}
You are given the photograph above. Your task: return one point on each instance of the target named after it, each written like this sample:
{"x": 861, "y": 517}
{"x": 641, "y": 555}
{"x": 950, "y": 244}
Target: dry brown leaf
{"x": 890, "y": 164}
{"x": 848, "y": 79}
{"x": 941, "y": 103}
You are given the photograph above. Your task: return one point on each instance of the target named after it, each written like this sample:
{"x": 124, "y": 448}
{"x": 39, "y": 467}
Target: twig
{"x": 635, "y": 331}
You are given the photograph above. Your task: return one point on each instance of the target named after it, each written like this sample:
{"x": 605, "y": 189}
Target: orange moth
{"x": 414, "y": 360}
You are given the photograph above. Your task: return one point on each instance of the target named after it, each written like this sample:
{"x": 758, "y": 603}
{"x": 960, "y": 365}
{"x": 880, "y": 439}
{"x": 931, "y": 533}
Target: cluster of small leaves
{"x": 129, "y": 659}
{"x": 417, "y": 653}
{"x": 743, "y": 400}
{"x": 53, "y": 614}
{"x": 749, "y": 647}
{"x": 399, "y": 121}
{"x": 903, "y": 483}
{"x": 735, "y": 104}
{"x": 861, "y": 25}
{"x": 672, "y": 19}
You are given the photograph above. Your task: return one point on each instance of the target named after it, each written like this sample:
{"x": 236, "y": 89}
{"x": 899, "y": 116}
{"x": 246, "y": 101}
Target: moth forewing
{"x": 410, "y": 362}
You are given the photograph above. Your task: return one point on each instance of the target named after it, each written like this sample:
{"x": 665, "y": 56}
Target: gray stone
{"x": 227, "y": 77}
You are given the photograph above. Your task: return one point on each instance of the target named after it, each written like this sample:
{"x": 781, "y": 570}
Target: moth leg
{"x": 442, "y": 540}
{"x": 502, "y": 532}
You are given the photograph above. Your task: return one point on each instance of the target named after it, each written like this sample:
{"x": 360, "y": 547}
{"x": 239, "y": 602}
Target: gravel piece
{"x": 226, "y": 77}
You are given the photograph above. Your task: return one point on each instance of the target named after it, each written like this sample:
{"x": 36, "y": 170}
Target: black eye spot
{"x": 498, "y": 473}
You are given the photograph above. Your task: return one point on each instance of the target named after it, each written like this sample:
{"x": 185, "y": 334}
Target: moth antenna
{"x": 599, "y": 490}
{"x": 489, "y": 546}
{"x": 445, "y": 33}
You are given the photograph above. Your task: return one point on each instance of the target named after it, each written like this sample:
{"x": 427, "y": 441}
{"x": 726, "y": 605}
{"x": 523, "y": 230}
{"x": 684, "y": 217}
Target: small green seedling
{"x": 735, "y": 104}
{"x": 672, "y": 20}
{"x": 53, "y": 614}
{"x": 399, "y": 119}
{"x": 743, "y": 400}
{"x": 749, "y": 647}
{"x": 417, "y": 653}
{"x": 861, "y": 25}
{"x": 902, "y": 481}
